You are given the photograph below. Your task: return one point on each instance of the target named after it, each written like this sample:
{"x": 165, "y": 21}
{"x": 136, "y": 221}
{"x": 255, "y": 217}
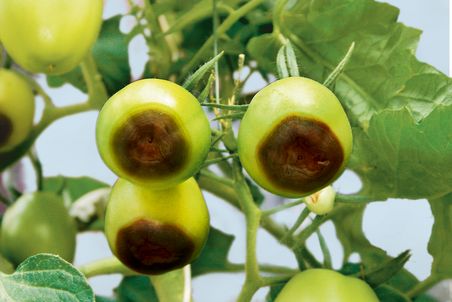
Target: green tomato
{"x": 37, "y": 223}
{"x": 321, "y": 285}
{"x": 17, "y": 109}
{"x": 50, "y": 36}
{"x": 155, "y": 231}
{"x": 295, "y": 137}
{"x": 153, "y": 132}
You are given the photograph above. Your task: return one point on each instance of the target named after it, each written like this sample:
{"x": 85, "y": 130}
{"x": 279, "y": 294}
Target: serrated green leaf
{"x": 111, "y": 55}
{"x": 440, "y": 244}
{"x": 214, "y": 256}
{"x": 136, "y": 289}
{"x": 174, "y": 286}
{"x": 45, "y": 277}
{"x": 383, "y": 72}
{"x": 399, "y": 157}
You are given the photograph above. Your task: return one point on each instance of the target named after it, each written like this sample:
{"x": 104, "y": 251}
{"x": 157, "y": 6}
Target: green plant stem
{"x": 96, "y": 89}
{"x": 252, "y": 216}
{"x": 159, "y": 45}
{"x": 308, "y": 231}
{"x": 267, "y": 281}
{"x": 266, "y": 268}
{"x": 37, "y": 166}
{"x": 224, "y": 106}
{"x": 50, "y": 115}
{"x": 104, "y": 267}
{"x": 277, "y": 15}
{"x": 222, "y": 29}
{"x": 424, "y": 285}
{"x": 218, "y": 160}
{"x": 282, "y": 207}
{"x": 301, "y": 218}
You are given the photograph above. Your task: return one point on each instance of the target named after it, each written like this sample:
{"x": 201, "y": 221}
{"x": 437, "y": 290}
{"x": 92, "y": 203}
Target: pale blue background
{"x": 68, "y": 148}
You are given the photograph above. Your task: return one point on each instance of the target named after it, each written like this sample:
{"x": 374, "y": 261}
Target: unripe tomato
{"x": 295, "y": 137}
{"x": 323, "y": 285}
{"x": 50, "y": 36}
{"x": 155, "y": 231}
{"x": 17, "y": 109}
{"x": 153, "y": 132}
{"x": 37, "y": 223}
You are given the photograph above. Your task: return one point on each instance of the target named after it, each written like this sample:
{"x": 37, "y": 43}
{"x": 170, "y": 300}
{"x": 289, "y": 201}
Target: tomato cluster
{"x": 51, "y": 37}
{"x": 154, "y": 135}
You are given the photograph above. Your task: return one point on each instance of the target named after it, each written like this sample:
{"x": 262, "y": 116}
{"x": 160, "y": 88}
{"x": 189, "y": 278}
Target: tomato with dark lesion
{"x": 153, "y": 132}
{"x": 295, "y": 137}
{"x": 156, "y": 231}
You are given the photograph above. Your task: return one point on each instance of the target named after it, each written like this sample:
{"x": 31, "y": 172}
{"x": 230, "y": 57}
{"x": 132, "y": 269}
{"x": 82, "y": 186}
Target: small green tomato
{"x": 153, "y": 132}
{"x": 295, "y": 137}
{"x": 50, "y": 36}
{"x": 17, "y": 109}
{"x": 155, "y": 231}
{"x": 37, "y": 223}
{"x": 321, "y": 202}
{"x": 323, "y": 285}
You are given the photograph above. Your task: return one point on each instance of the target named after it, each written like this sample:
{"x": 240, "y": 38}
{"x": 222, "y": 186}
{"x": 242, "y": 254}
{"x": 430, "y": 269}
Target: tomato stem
{"x": 424, "y": 285}
{"x": 225, "y": 26}
{"x": 96, "y": 89}
{"x": 104, "y": 267}
{"x": 282, "y": 207}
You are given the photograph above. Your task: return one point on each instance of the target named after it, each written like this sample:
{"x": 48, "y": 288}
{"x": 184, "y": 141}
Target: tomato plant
{"x": 49, "y": 36}
{"x": 37, "y": 223}
{"x": 179, "y": 119}
{"x": 325, "y": 285}
{"x": 16, "y": 109}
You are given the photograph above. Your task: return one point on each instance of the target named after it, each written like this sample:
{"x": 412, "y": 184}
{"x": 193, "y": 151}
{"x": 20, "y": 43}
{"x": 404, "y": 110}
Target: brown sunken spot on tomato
{"x": 300, "y": 154}
{"x": 153, "y": 248}
{"x": 150, "y": 144}
{"x": 6, "y": 129}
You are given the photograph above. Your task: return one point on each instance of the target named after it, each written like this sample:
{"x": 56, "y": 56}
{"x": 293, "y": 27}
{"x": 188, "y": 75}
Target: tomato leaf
{"x": 111, "y": 55}
{"x": 44, "y": 277}
{"x": 400, "y": 157}
{"x": 136, "y": 289}
{"x": 214, "y": 256}
{"x": 440, "y": 244}
{"x": 74, "y": 186}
